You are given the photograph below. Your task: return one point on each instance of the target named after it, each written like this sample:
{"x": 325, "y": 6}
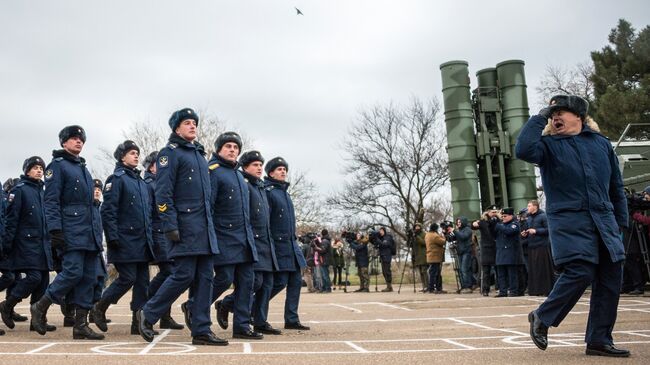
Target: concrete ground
{"x": 378, "y": 328}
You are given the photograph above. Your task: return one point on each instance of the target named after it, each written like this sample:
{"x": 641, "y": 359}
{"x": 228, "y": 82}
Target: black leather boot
{"x": 99, "y": 314}
{"x": 135, "y": 326}
{"x": 39, "y": 313}
{"x": 81, "y": 330}
{"x": 167, "y": 322}
{"x": 7, "y": 310}
{"x": 68, "y": 314}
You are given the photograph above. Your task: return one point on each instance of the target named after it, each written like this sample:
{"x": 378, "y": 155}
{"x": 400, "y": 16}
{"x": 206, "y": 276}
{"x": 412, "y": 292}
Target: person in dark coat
{"x": 386, "y": 245}
{"x": 102, "y": 270}
{"x": 338, "y": 263}
{"x": 160, "y": 243}
{"x": 361, "y": 259}
{"x": 26, "y": 241}
{"x": 634, "y": 275}
{"x": 183, "y": 201}
{"x": 283, "y": 232}
{"x": 508, "y": 255}
{"x": 586, "y": 211}
{"x": 231, "y": 214}
{"x": 462, "y": 234}
{"x": 126, "y": 216}
{"x": 420, "y": 256}
{"x": 435, "y": 243}
{"x": 324, "y": 249}
{"x": 540, "y": 261}
{"x": 75, "y": 231}
{"x": 252, "y": 164}
{"x": 488, "y": 250}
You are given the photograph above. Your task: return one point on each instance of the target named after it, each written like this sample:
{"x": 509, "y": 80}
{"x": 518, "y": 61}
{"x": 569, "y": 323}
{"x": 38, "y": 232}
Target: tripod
{"x": 374, "y": 268}
{"x": 637, "y": 229}
{"x": 409, "y": 246}
{"x": 454, "y": 262}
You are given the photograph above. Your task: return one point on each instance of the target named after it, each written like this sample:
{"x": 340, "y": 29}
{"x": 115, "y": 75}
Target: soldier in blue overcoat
{"x": 283, "y": 233}
{"x": 126, "y": 216}
{"x": 183, "y": 203}
{"x": 26, "y": 241}
{"x": 231, "y": 214}
{"x": 508, "y": 254}
{"x": 586, "y": 210}
{"x": 75, "y": 231}
{"x": 160, "y": 243}
{"x": 252, "y": 164}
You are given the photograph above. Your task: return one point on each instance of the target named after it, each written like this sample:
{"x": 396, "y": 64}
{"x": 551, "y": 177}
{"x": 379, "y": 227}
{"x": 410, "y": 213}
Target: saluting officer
{"x": 26, "y": 241}
{"x": 160, "y": 243}
{"x": 231, "y": 214}
{"x": 183, "y": 199}
{"x": 283, "y": 232}
{"x": 75, "y": 230}
{"x": 252, "y": 164}
{"x": 126, "y": 216}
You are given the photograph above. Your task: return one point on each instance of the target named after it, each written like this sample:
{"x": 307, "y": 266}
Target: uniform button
{"x": 77, "y": 180}
{"x": 190, "y": 178}
{"x": 29, "y": 235}
{"x": 230, "y": 197}
{"x": 230, "y": 225}
{"x": 75, "y": 188}
{"x": 280, "y": 215}
{"x": 192, "y": 170}
{"x": 257, "y": 236}
{"x": 131, "y": 227}
{"x": 189, "y": 210}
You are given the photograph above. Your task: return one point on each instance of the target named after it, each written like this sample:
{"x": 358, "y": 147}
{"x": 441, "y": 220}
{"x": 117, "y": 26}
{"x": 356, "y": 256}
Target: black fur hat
{"x": 97, "y": 184}
{"x": 150, "y": 160}
{"x": 572, "y": 103}
{"x": 124, "y": 148}
{"x": 249, "y": 157}
{"x": 31, "y": 162}
{"x": 72, "y": 131}
{"x": 180, "y": 115}
{"x": 274, "y": 163}
{"x": 508, "y": 210}
{"x": 226, "y": 137}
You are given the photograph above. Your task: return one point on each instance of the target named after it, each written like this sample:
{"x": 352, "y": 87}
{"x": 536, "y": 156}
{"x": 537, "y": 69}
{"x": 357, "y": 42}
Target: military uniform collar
{"x": 223, "y": 162}
{"x": 29, "y": 181}
{"x": 177, "y": 141}
{"x": 67, "y": 156}
{"x": 252, "y": 179}
{"x": 277, "y": 183}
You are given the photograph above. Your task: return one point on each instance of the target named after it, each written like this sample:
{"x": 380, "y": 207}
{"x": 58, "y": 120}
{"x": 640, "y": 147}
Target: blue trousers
{"x": 434, "y": 273}
{"x": 508, "y": 279}
{"x": 189, "y": 271}
{"x": 605, "y": 279}
{"x": 292, "y": 280}
{"x": 243, "y": 276}
{"x": 465, "y": 265}
{"x": 34, "y": 283}
{"x": 130, "y": 275}
{"x": 262, "y": 287}
{"x": 76, "y": 280}
{"x": 164, "y": 271}
{"x": 327, "y": 283}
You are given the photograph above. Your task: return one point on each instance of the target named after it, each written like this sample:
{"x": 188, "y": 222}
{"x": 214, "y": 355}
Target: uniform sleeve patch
{"x": 163, "y": 161}
{"x": 11, "y": 198}
{"x": 213, "y": 166}
{"x": 108, "y": 186}
{"x": 162, "y": 208}
{"x": 49, "y": 173}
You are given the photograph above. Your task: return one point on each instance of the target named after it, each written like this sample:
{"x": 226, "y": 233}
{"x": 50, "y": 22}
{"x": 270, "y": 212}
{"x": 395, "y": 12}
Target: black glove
{"x": 58, "y": 242}
{"x": 113, "y": 244}
{"x": 545, "y": 112}
{"x": 173, "y": 236}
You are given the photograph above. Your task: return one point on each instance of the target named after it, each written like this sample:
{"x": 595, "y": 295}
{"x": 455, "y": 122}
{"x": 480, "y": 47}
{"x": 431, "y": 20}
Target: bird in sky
{"x": 298, "y": 12}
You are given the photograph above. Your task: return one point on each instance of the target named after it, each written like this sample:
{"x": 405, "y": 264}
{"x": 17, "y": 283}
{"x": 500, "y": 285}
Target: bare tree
{"x": 397, "y": 162}
{"x": 311, "y": 213}
{"x": 569, "y": 81}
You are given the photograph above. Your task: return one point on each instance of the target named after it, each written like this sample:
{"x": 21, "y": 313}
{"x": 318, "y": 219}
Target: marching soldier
{"x": 231, "y": 214}
{"x": 102, "y": 271}
{"x": 283, "y": 233}
{"x": 75, "y": 230}
{"x": 126, "y": 216}
{"x": 26, "y": 241}
{"x": 252, "y": 164}
{"x": 183, "y": 200}
{"x": 160, "y": 243}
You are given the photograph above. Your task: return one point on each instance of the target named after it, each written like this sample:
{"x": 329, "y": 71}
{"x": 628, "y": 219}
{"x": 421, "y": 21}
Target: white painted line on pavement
{"x": 248, "y": 349}
{"x": 346, "y": 307}
{"x": 153, "y": 343}
{"x": 452, "y": 342}
{"x": 356, "y": 347}
{"x": 392, "y": 306}
{"x": 39, "y": 349}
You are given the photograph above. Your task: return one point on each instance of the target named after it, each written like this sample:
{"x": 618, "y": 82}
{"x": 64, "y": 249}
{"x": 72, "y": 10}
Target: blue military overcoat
{"x": 160, "y": 241}
{"x": 260, "y": 223}
{"x": 26, "y": 239}
{"x": 231, "y": 213}
{"x": 126, "y": 216}
{"x": 183, "y": 197}
{"x": 69, "y": 202}
{"x": 508, "y": 246}
{"x": 585, "y": 200}
{"x": 283, "y": 226}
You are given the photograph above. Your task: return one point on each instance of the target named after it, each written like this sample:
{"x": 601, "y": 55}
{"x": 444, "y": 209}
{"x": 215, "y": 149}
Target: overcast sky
{"x": 292, "y": 83}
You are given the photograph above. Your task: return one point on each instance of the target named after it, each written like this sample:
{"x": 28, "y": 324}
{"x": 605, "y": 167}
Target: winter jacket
{"x": 538, "y": 222}
{"x": 261, "y": 225}
{"x": 585, "y": 200}
{"x": 508, "y": 246}
{"x": 161, "y": 244}
{"x": 435, "y": 244}
{"x": 487, "y": 243}
{"x": 420, "y": 249}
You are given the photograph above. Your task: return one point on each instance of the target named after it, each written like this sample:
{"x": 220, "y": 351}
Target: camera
{"x": 349, "y": 236}
{"x": 636, "y": 202}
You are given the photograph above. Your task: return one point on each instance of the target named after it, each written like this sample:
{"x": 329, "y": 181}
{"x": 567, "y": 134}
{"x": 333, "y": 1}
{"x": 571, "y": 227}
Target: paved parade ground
{"x": 377, "y": 328}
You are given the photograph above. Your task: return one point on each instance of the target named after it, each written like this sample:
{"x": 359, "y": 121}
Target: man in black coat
{"x": 386, "y": 245}
{"x": 486, "y": 225}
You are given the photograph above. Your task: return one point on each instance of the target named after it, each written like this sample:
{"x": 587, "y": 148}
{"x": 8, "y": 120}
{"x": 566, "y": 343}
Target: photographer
{"x": 323, "y": 248}
{"x": 360, "y": 246}
{"x": 435, "y": 244}
{"x": 387, "y": 249}
{"x": 463, "y": 237}
{"x": 634, "y": 277}
{"x": 420, "y": 255}
{"x": 486, "y": 225}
